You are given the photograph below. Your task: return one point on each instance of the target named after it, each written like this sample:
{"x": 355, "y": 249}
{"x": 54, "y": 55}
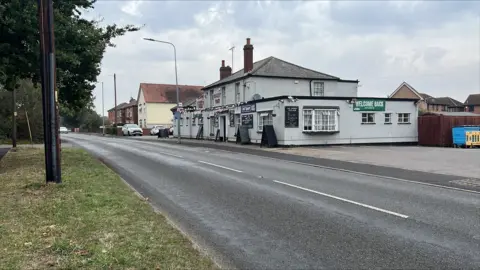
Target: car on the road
{"x": 156, "y": 129}
{"x": 131, "y": 130}
{"x": 170, "y": 131}
{"x": 63, "y": 130}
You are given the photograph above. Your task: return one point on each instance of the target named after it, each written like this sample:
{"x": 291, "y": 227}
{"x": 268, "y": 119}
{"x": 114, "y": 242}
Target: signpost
{"x": 369, "y": 105}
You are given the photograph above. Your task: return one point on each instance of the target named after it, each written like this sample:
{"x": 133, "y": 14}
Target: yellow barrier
{"x": 473, "y": 138}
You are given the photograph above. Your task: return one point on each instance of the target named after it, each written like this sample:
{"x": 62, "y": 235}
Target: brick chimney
{"x": 247, "y": 57}
{"x": 225, "y": 71}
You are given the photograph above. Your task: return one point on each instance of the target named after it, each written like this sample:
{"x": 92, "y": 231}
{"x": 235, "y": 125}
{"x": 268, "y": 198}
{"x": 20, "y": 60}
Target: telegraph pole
{"x": 115, "y": 93}
{"x": 14, "y": 128}
{"x": 49, "y": 92}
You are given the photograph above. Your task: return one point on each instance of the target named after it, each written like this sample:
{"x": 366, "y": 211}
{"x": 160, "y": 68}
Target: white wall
{"x": 351, "y": 129}
{"x": 271, "y": 87}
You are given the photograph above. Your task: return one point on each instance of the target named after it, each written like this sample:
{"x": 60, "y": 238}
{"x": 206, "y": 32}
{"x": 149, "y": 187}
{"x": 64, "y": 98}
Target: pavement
{"x": 253, "y": 212}
{"x": 4, "y": 150}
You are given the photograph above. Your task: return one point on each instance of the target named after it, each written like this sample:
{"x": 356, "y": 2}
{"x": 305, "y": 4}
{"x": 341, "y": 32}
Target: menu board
{"x": 291, "y": 116}
{"x": 247, "y": 120}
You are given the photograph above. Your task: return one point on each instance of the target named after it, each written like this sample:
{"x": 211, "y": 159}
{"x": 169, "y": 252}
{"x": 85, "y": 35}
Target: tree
{"x": 80, "y": 45}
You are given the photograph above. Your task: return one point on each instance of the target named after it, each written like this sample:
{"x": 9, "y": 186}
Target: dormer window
{"x": 318, "y": 89}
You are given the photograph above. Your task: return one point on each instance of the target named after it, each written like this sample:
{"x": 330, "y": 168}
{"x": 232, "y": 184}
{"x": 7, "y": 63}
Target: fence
{"x": 436, "y": 129}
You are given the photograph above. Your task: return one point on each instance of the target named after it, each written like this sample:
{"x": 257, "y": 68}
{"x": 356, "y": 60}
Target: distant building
{"x": 156, "y": 100}
{"x": 427, "y": 103}
{"x": 127, "y": 113}
{"x": 472, "y": 103}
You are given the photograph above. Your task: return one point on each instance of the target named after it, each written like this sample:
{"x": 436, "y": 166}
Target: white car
{"x": 63, "y": 130}
{"x": 156, "y": 129}
{"x": 131, "y": 130}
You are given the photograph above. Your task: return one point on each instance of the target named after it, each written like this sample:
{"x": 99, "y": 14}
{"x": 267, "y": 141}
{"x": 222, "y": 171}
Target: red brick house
{"x": 127, "y": 113}
{"x": 472, "y": 103}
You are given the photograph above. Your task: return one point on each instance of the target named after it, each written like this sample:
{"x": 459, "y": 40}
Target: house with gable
{"x": 472, "y": 103}
{"x": 304, "y": 106}
{"x": 427, "y": 103}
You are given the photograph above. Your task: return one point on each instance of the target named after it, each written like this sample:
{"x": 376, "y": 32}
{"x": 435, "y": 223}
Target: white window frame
{"x": 318, "y": 89}
{"x": 194, "y": 121}
{"x": 264, "y": 118}
{"x": 320, "y": 120}
{"x": 181, "y": 120}
{"x": 211, "y": 99}
{"x": 365, "y": 119}
{"x": 403, "y": 118}
{"x": 389, "y": 116}
{"x": 237, "y": 92}
{"x": 224, "y": 96}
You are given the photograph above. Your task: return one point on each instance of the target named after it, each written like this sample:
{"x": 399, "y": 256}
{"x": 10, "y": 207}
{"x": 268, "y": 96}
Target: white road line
{"x": 223, "y": 167}
{"x": 344, "y": 200}
{"x": 169, "y": 154}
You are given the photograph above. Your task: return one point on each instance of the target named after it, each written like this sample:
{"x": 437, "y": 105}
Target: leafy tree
{"x": 79, "y": 47}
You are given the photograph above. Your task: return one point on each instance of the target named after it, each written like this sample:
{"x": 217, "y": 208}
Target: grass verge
{"x": 91, "y": 221}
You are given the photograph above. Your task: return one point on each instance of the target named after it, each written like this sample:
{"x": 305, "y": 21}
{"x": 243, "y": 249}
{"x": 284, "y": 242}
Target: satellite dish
{"x": 256, "y": 97}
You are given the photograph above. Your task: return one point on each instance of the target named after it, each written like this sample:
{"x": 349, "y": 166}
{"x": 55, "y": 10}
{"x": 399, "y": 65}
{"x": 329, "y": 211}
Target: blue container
{"x": 458, "y": 133}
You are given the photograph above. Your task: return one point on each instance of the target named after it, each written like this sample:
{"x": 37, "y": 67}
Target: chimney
{"x": 228, "y": 71}
{"x": 247, "y": 57}
{"x": 223, "y": 71}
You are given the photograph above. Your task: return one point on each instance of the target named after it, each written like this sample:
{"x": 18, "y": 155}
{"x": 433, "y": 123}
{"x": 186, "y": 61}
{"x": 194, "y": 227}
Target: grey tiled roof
{"x": 473, "y": 99}
{"x": 444, "y": 101}
{"x": 275, "y": 67}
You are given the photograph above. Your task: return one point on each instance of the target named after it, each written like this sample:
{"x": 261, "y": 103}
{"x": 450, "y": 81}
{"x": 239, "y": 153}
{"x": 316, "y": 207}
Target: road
{"x": 252, "y": 212}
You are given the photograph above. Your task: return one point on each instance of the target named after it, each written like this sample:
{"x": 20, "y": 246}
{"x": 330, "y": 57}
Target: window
{"x": 320, "y": 120}
{"x": 244, "y": 91}
{"x": 211, "y": 98}
{"x": 224, "y": 97}
{"x": 318, "y": 89}
{"x": 237, "y": 92}
{"x": 404, "y": 118}
{"x": 237, "y": 120}
{"x": 140, "y": 122}
{"x": 368, "y": 118}
{"x": 388, "y": 118}
{"x": 193, "y": 121}
{"x": 181, "y": 121}
{"x": 264, "y": 118}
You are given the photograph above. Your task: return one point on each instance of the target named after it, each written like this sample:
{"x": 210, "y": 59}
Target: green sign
{"x": 365, "y": 105}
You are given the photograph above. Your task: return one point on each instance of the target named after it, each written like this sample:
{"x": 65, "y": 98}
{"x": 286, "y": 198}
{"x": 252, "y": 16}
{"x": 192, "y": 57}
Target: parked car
{"x": 156, "y": 129}
{"x": 131, "y": 130}
{"x": 63, "y": 130}
{"x": 170, "y": 132}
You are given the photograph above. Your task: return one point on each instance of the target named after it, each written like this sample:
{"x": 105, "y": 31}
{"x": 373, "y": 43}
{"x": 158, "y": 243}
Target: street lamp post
{"x": 103, "y": 113}
{"x": 176, "y": 83}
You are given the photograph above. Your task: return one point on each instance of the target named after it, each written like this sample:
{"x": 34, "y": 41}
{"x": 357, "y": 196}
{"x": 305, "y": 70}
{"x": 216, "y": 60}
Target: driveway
{"x": 252, "y": 212}
{"x": 4, "y": 150}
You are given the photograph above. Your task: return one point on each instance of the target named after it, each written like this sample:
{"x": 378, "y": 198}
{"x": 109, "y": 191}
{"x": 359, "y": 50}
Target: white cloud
{"x": 443, "y": 60}
{"x": 132, "y": 8}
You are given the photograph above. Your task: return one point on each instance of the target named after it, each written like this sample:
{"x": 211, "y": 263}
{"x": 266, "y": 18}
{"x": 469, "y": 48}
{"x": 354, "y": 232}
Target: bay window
{"x": 322, "y": 120}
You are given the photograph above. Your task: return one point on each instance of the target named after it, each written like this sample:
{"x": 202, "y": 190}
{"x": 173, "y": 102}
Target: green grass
{"x": 9, "y": 141}
{"x": 91, "y": 221}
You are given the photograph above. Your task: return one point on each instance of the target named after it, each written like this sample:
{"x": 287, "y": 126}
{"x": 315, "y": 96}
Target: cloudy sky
{"x": 432, "y": 45}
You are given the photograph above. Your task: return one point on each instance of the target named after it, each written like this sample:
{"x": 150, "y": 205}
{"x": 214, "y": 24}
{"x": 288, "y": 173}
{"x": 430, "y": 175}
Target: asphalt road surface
{"x": 252, "y": 212}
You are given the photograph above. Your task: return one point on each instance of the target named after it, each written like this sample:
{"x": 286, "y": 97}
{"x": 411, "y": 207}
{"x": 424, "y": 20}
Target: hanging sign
{"x": 248, "y": 108}
{"x": 372, "y": 105}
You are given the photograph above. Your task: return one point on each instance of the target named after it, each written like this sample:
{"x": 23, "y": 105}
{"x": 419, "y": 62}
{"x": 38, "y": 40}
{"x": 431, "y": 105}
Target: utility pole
{"x": 232, "y": 49}
{"x": 103, "y": 113}
{"x": 49, "y": 92}
{"x": 14, "y": 127}
{"x": 115, "y": 93}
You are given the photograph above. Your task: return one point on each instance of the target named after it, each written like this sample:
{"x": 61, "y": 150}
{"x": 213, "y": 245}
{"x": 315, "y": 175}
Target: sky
{"x": 432, "y": 45}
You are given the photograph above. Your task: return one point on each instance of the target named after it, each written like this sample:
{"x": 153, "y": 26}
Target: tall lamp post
{"x": 177, "y": 113}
